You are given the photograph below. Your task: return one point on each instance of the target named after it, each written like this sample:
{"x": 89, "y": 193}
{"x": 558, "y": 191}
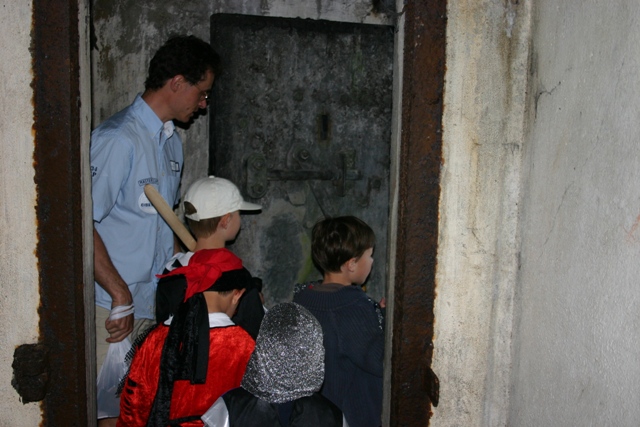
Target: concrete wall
{"x": 19, "y": 296}
{"x": 483, "y": 123}
{"x": 536, "y": 317}
{"x": 576, "y": 358}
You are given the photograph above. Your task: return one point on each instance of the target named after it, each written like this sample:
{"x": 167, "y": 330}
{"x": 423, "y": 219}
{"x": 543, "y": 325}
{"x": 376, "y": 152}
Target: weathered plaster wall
{"x": 536, "y": 317}
{"x": 483, "y": 124}
{"x": 576, "y": 359}
{"x": 19, "y": 296}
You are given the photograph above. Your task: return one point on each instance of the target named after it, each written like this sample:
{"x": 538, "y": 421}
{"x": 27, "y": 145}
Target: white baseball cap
{"x": 214, "y": 196}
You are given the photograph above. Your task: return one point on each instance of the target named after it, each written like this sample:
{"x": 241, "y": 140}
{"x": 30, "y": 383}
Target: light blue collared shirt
{"x": 129, "y": 150}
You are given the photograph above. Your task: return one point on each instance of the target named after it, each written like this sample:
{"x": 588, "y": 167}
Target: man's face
{"x": 193, "y": 97}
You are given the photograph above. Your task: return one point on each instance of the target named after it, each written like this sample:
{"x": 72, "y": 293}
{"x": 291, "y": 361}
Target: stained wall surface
{"x": 536, "y": 308}
{"x": 483, "y": 125}
{"x": 576, "y": 358}
{"x": 19, "y": 296}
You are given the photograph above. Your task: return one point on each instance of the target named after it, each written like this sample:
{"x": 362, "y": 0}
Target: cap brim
{"x": 246, "y": 206}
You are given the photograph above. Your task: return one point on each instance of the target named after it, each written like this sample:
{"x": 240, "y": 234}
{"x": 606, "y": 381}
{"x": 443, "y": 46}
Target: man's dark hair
{"x": 335, "y": 241}
{"x": 188, "y": 56}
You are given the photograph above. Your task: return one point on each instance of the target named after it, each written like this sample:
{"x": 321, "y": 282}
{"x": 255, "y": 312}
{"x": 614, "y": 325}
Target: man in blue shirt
{"x": 135, "y": 147}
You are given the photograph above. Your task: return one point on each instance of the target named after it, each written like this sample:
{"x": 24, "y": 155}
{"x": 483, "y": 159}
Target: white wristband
{"x": 120, "y": 311}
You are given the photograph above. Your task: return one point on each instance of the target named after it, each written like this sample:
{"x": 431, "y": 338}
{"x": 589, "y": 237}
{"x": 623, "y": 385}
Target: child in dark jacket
{"x": 352, "y": 323}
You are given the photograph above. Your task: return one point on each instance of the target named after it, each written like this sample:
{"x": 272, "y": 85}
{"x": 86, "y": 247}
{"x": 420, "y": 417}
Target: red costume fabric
{"x": 204, "y": 268}
{"x": 229, "y": 351}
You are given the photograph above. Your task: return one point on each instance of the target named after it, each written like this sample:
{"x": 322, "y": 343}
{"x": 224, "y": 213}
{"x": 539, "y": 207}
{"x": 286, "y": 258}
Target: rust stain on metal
{"x": 54, "y": 48}
{"x": 412, "y": 383}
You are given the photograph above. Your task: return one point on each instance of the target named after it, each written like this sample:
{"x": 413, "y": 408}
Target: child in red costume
{"x": 190, "y": 360}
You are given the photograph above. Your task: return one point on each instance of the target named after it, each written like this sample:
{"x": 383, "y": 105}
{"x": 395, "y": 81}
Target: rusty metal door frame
{"x": 59, "y": 157}
{"x": 411, "y": 386}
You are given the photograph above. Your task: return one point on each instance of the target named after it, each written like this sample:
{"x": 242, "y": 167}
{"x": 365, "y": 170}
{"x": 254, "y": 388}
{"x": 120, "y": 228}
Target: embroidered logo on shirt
{"x": 94, "y": 171}
{"x": 175, "y": 166}
{"x": 150, "y": 180}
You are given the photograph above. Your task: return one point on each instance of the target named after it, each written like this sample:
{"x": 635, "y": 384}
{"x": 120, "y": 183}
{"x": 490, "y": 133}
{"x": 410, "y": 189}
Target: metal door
{"x": 301, "y": 122}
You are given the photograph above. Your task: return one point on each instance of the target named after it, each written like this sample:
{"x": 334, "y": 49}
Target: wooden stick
{"x": 170, "y": 216}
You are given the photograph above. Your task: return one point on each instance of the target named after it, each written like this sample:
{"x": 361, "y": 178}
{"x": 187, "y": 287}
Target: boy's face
{"x": 234, "y": 224}
{"x": 363, "y": 267}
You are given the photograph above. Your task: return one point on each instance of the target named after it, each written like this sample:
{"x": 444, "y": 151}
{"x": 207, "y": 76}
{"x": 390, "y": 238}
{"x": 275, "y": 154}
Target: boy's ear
{"x": 224, "y": 221}
{"x": 237, "y": 294}
{"x": 350, "y": 265}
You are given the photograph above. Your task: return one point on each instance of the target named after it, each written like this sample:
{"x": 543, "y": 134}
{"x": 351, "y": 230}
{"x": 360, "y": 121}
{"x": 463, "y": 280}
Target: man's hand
{"x": 119, "y": 329}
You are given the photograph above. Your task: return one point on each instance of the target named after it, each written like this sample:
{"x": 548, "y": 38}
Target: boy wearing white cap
{"x": 212, "y": 207}
{"x": 191, "y": 359}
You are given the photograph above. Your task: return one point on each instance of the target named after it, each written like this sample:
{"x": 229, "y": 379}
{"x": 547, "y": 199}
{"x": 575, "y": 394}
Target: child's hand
{"x": 383, "y": 303}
